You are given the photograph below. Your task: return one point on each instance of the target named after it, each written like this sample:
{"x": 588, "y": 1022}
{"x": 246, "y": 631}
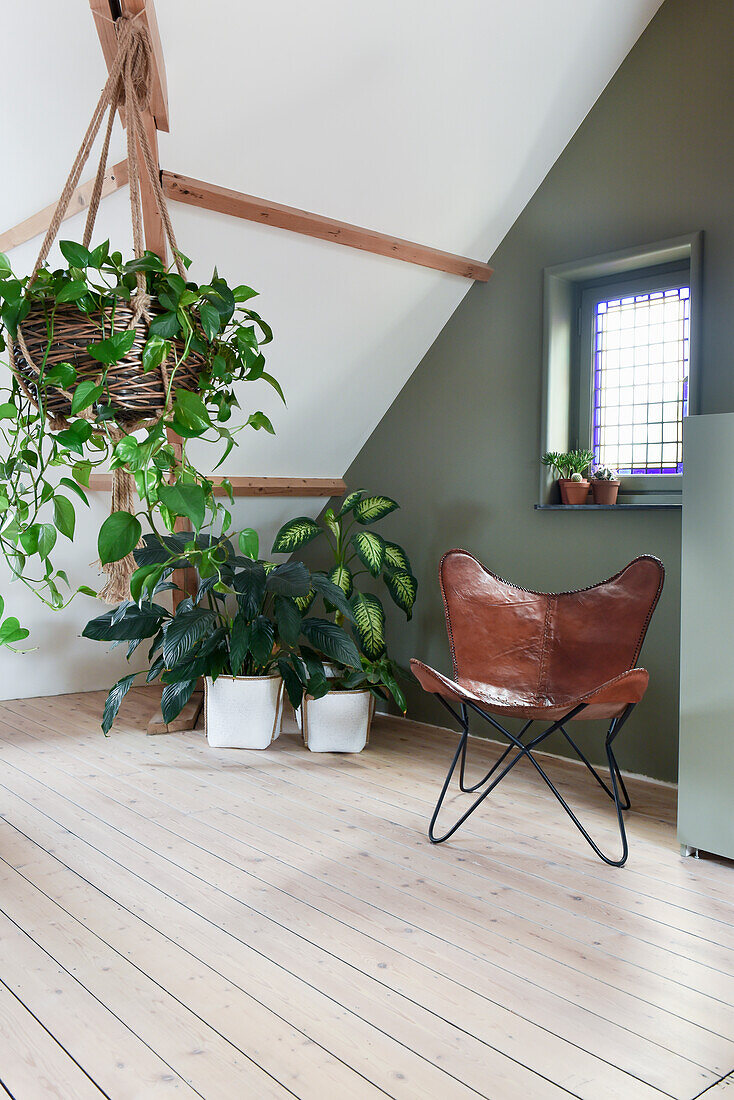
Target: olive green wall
{"x": 459, "y": 447}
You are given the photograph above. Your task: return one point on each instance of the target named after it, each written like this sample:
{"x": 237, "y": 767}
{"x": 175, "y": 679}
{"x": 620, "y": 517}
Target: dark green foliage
{"x": 245, "y": 621}
{"x": 209, "y": 319}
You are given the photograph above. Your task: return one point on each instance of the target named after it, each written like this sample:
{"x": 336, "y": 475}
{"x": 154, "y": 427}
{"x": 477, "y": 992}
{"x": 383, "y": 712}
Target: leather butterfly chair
{"x": 542, "y": 657}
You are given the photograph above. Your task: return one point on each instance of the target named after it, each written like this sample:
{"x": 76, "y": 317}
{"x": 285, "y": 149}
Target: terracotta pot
{"x": 573, "y": 492}
{"x": 604, "y": 492}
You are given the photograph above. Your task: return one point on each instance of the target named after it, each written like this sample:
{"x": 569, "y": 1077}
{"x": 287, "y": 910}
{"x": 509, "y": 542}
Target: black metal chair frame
{"x": 617, "y": 792}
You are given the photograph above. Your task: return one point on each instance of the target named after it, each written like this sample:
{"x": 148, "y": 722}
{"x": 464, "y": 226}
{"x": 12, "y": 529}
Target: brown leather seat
{"x": 542, "y": 656}
{"x": 539, "y": 655}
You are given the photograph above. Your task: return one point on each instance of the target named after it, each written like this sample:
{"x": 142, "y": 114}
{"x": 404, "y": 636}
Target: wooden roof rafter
{"x": 224, "y": 200}
{"x": 105, "y": 13}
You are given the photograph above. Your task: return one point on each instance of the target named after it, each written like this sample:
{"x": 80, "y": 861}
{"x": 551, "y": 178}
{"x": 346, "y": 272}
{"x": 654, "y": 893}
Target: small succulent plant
{"x": 605, "y": 473}
{"x": 567, "y": 463}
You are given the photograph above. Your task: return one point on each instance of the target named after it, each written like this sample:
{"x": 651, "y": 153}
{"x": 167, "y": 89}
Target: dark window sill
{"x": 603, "y": 507}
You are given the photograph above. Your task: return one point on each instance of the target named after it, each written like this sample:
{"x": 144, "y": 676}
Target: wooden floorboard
{"x": 174, "y": 918}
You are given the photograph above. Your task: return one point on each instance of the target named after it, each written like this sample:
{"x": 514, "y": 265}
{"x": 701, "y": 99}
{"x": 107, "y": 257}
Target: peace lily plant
{"x": 249, "y": 619}
{"x": 47, "y": 460}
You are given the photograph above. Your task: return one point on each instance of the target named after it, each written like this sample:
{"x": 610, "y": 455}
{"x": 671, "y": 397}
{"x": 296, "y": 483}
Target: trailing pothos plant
{"x": 249, "y": 618}
{"x": 356, "y": 552}
{"x": 44, "y": 471}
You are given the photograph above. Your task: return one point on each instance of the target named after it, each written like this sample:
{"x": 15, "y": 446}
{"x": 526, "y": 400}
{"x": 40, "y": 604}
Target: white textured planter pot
{"x": 243, "y": 712}
{"x": 339, "y": 721}
{"x": 331, "y": 673}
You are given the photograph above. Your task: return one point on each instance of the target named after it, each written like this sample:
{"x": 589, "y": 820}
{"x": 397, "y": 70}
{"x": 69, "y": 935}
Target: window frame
{"x": 564, "y": 285}
{"x": 589, "y": 295}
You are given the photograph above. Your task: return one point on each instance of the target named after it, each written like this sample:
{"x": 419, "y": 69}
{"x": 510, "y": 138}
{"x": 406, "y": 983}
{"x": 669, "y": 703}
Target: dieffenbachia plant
{"x": 358, "y": 551}
{"x": 44, "y": 472}
{"x": 247, "y": 619}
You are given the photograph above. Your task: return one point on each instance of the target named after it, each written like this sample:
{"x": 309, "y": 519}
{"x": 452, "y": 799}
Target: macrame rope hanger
{"x": 127, "y": 87}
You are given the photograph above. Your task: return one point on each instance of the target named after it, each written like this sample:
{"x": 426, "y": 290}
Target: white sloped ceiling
{"x": 433, "y": 120}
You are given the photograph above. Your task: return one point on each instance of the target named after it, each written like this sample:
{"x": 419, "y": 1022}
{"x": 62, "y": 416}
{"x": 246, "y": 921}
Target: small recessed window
{"x": 641, "y": 356}
{"x": 620, "y": 371}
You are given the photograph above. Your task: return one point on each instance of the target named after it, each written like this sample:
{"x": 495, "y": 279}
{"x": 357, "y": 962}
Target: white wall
{"x": 430, "y": 120}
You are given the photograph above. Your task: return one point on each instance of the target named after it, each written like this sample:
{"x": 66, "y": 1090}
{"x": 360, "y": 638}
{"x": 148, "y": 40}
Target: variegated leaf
{"x": 304, "y": 602}
{"x": 403, "y": 588}
{"x": 349, "y": 501}
{"x": 295, "y": 533}
{"x": 396, "y": 558}
{"x": 341, "y": 575}
{"x": 370, "y": 549}
{"x": 370, "y": 509}
{"x": 369, "y": 624}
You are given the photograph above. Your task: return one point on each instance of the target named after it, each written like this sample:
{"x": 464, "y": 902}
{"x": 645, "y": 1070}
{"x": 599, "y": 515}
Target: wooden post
{"x": 155, "y": 118}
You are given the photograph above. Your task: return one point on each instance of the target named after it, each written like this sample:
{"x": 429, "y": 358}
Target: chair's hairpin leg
{"x": 595, "y": 773}
{"x": 525, "y": 750}
{"x": 462, "y": 782}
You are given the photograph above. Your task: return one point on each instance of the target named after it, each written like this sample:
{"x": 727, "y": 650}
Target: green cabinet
{"x": 706, "y": 768}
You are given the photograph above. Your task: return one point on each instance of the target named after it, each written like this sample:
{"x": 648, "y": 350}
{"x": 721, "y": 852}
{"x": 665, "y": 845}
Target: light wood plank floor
{"x": 239, "y": 924}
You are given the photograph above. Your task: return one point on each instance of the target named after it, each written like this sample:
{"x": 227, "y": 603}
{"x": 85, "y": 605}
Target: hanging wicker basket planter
{"x": 135, "y": 394}
{"x": 138, "y": 396}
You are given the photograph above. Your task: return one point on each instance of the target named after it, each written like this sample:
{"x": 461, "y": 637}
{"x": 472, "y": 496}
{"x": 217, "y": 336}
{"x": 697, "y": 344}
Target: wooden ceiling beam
{"x": 258, "y": 486}
{"x": 221, "y": 199}
{"x": 115, "y": 178}
{"x": 225, "y": 201}
{"x": 105, "y": 12}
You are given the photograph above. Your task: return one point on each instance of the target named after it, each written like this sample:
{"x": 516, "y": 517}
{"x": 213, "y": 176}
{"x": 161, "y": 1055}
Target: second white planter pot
{"x": 338, "y": 722}
{"x": 243, "y": 712}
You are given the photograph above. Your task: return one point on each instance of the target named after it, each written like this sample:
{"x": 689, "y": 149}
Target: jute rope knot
{"x": 133, "y": 37}
{"x": 128, "y": 87}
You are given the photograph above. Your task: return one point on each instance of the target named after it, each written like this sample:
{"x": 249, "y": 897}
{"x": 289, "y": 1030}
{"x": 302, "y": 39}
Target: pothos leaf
{"x": 64, "y": 516}
{"x": 114, "y": 348}
{"x": 209, "y": 319}
{"x": 249, "y": 543}
{"x": 185, "y": 500}
{"x": 154, "y": 352}
{"x": 118, "y": 536}
{"x": 62, "y": 374}
{"x": 85, "y": 394}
